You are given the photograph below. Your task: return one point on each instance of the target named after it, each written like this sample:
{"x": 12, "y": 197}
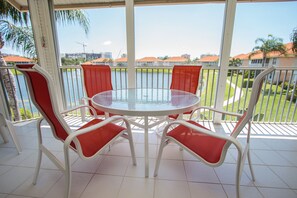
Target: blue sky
{"x": 178, "y": 29}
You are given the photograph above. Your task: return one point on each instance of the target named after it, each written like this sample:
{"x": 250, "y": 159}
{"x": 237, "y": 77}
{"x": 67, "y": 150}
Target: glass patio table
{"x": 146, "y": 103}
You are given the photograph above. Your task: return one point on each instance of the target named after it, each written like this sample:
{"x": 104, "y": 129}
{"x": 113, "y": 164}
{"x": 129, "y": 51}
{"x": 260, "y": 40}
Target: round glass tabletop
{"x": 145, "y": 102}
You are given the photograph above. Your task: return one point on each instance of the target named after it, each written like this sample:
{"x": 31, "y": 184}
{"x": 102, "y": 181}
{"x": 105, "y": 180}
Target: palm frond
{"x": 294, "y": 40}
{"x": 73, "y": 16}
{"x": 271, "y": 44}
{"x": 254, "y": 52}
{"x": 9, "y": 12}
{"x": 19, "y": 38}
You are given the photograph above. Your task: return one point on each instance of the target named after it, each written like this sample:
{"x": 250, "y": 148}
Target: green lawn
{"x": 209, "y": 88}
{"x": 278, "y": 109}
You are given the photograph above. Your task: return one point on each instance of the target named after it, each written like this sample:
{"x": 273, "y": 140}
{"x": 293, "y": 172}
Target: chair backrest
{"x": 42, "y": 91}
{"x": 256, "y": 91}
{"x": 96, "y": 78}
{"x": 185, "y": 78}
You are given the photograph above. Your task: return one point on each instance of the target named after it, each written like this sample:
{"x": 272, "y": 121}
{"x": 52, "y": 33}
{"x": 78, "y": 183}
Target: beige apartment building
{"x": 207, "y": 61}
{"x": 100, "y": 61}
{"x": 149, "y": 62}
{"x": 273, "y": 59}
{"x": 121, "y": 62}
{"x": 175, "y": 60}
{"x": 12, "y": 60}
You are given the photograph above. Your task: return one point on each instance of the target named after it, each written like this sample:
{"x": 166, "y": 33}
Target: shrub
{"x": 247, "y": 83}
{"x": 28, "y": 114}
{"x": 294, "y": 97}
{"x": 252, "y": 74}
{"x": 286, "y": 85}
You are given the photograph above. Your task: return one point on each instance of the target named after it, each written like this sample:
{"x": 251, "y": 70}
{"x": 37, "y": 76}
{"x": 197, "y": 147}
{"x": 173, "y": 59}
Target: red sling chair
{"x": 211, "y": 147}
{"x": 87, "y": 141}
{"x": 96, "y": 79}
{"x": 185, "y": 78}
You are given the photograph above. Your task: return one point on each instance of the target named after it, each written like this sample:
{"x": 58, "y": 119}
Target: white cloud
{"x": 107, "y": 42}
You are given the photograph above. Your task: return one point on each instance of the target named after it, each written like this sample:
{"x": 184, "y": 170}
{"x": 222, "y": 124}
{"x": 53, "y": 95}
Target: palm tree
{"x": 9, "y": 84}
{"x": 271, "y": 44}
{"x": 294, "y": 40}
{"x": 20, "y": 38}
{"x": 235, "y": 62}
{"x": 15, "y": 29}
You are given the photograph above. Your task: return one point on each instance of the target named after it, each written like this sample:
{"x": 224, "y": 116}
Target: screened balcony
{"x": 273, "y": 145}
{"x": 273, "y": 139}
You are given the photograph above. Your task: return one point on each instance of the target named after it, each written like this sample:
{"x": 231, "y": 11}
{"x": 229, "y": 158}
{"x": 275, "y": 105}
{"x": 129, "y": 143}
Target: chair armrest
{"x": 205, "y": 131}
{"x": 86, "y": 98}
{"x": 74, "y": 134}
{"x": 215, "y": 110}
{"x": 79, "y": 107}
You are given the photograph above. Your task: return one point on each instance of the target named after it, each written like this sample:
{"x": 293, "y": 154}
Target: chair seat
{"x": 205, "y": 146}
{"x": 93, "y": 141}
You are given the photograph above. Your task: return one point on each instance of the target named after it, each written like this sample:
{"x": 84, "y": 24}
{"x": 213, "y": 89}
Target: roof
{"x": 17, "y": 59}
{"x": 149, "y": 59}
{"x": 176, "y": 59}
{"x": 87, "y": 63}
{"x": 98, "y": 60}
{"x": 259, "y": 55}
{"x": 242, "y": 56}
{"x": 83, "y": 4}
{"x": 101, "y": 60}
{"x": 209, "y": 59}
{"x": 121, "y": 59}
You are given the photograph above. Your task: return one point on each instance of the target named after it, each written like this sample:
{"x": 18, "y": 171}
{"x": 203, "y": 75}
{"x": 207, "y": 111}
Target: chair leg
{"x": 83, "y": 114}
{"x": 248, "y": 152}
{"x": 162, "y": 145}
{"x": 67, "y": 174}
{"x": 132, "y": 150}
{"x": 83, "y": 111}
{"x": 238, "y": 173}
{"x": 250, "y": 165}
{"x": 2, "y": 133}
{"x": 37, "y": 168}
{"x": 14, "y": 136}
{"x": 130, "y": 138}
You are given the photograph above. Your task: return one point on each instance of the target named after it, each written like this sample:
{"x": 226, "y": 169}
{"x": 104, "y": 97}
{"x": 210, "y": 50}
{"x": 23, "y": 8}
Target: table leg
{"x": 146, "y": 146}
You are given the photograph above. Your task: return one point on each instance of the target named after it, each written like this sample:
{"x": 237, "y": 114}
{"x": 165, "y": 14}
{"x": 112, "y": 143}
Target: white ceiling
{"x": 22, "y": 5}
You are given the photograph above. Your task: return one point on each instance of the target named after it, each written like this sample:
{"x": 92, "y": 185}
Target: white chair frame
{"x": 243, "y": 153}
{"x": 66, "y": 167}
{"x": 7, "y": 126}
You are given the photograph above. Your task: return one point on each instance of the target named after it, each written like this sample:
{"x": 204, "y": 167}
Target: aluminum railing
{"x": 26, "y": 108}
{"x": 277, "y": 102}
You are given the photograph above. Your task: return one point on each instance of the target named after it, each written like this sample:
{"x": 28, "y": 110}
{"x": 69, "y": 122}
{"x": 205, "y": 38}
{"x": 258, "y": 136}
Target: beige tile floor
{"x": 112, "y": 175}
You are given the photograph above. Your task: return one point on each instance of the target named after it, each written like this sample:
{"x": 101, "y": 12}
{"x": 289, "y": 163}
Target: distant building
{"x": 121, "y": 62}
{"x": 203, "y": 55}
{"x": 187, "y": 56}
{"x": 149, "y": 62}
{"x": 208, "y": 60}
{"x": 88, "y": 56}
{"x": 13, "y": 59}
{"x": 176, "y": 60}
{"x": 99, "y": 61}
{"x": 273, "y": 59}
{"x": 106, "y": 55}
